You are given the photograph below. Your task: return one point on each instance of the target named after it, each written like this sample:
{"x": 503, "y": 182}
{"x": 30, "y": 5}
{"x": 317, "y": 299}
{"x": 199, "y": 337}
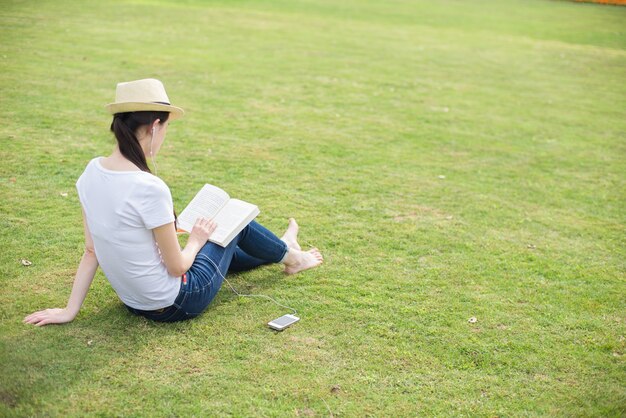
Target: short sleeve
{"x": 156, "y": 207}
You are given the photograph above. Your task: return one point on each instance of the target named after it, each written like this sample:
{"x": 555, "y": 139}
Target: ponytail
{"x": 124, "y": 127}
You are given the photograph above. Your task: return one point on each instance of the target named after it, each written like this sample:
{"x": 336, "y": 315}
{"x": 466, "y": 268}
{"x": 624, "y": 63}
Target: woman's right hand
{"x": 49, "y": 316}
{"x": 202, "y": 230}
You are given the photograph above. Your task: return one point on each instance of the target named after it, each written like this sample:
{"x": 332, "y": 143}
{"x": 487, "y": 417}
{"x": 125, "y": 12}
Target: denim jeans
{"x": 254, "y": 246}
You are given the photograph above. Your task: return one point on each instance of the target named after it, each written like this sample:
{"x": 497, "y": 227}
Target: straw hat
{"x": 143, "y": 95}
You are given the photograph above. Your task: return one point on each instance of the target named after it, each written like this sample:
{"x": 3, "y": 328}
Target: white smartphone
{"x": 283, "y": 322}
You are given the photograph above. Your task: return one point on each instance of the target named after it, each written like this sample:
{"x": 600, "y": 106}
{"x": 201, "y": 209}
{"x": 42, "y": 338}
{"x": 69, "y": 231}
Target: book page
{"x": 207, "y": 203}
{"x": 233, "y": 217}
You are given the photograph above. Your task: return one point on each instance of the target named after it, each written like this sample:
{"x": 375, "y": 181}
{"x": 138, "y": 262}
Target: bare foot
{"x": 297, "y": 261}
{"x": 290, "y": 237}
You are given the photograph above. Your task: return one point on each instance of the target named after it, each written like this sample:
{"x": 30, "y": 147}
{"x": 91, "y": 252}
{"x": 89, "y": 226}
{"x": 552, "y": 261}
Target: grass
{"x": 451, "y": 159}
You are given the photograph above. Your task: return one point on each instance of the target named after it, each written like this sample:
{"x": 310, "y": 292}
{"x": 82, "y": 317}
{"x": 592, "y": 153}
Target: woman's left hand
{"x": 202, "y": 230}
{"x": 49, "y": 316}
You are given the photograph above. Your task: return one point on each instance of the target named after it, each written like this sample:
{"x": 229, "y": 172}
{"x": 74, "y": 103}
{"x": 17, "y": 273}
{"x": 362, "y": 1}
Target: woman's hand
{"x": 176, "y": 260}
{"x": 202, "y": 230}
{"x": 49, "y": 316}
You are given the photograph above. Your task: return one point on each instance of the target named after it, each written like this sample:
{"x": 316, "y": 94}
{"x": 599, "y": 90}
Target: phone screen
{"x": 284, "y": 320}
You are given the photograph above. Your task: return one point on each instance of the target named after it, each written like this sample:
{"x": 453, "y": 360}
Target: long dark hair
{"x": 125, "y": 126}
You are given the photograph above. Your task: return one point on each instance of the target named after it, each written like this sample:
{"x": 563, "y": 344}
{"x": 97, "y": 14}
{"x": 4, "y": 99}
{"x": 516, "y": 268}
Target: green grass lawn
{"x": 451, "y": 159}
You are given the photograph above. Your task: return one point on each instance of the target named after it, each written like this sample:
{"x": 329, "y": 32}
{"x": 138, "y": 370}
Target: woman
{"x": 130, "y": 232}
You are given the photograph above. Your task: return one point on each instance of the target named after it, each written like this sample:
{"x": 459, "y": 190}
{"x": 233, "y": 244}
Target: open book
{"x": 231, "y": 215}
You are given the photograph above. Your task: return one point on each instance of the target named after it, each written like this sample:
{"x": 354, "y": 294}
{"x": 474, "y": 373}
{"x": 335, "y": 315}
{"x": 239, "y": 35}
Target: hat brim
{"x": 175, "y": 112}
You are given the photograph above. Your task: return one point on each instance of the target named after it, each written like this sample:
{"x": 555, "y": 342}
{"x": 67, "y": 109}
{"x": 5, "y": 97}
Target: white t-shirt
{"x": 122, "y": 208}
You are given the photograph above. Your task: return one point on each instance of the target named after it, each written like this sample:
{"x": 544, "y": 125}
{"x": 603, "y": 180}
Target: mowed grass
{"x": 451, "y": 159}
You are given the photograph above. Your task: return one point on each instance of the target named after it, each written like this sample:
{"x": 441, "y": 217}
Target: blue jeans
{"x": 254, "y": 246}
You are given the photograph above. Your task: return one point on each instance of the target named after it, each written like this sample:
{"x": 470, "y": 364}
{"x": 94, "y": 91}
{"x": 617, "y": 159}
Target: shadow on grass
{"x": 50, "y": 367}
{"x": 45, "y": 365}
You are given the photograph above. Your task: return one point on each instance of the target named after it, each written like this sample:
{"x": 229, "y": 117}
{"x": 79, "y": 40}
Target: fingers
{"x": 40, "y": 318}
{"x": 203, "y": 222}
{"x": 207, "y": 225}
{"x": 34, "y": 319}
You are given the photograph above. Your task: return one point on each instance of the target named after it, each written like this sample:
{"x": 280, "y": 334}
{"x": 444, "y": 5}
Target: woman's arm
{"x": 84, "y": 276}
{"x": 176, "y": 260}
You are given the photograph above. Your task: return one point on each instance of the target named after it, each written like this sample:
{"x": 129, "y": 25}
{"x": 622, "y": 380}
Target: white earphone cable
{"x": 242, "y": 295}
{"x": 156, "y": 168}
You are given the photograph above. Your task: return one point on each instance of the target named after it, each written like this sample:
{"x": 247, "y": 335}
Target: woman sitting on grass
{"x": 129, "y": 224}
